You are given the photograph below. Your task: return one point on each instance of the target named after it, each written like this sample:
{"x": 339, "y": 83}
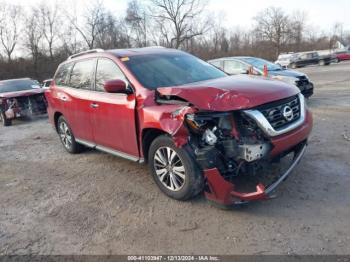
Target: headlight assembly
{"x": 286, "y": 79}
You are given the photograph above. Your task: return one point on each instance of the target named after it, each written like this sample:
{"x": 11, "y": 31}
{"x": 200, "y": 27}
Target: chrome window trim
{"x": 266, "y": 127}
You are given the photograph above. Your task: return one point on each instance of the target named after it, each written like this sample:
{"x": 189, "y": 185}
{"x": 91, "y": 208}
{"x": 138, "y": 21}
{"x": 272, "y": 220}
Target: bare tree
{"x": 112, "y": 32}
{"x": 336, "y": 35}
{"x": 297, "y": 28}
{"x": 273, "y": 25}
{"x": 178, "y": 20}
{"x": 33, "y": 36}
{"x": 10, "y": 16}
{"x": 137, "y": 19}
{"x": 88, "y": 28}
{"x": 50, "y": 22}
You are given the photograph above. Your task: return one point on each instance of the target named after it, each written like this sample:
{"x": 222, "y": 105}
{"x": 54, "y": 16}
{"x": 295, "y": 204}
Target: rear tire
{"x": 321, "y": 62}
{"x": 4, "y": 120}
{"x": 174, "y": 170}
{"x": 67, "y": 137}
{"x": 293, "y": 65}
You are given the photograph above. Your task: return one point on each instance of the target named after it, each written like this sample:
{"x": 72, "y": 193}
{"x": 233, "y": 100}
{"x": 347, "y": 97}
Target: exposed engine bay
{"x": 234, "y": 147}
{"x": 24, "y": 106}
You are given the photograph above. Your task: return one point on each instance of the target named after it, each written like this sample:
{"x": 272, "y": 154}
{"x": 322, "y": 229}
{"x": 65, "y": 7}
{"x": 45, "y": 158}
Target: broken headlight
{"x": 195, "y": 124}
{"x": 210, "y": 126}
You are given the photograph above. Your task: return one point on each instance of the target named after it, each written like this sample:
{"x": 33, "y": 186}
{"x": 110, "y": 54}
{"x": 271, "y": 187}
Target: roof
{"x": 141, "y": 51}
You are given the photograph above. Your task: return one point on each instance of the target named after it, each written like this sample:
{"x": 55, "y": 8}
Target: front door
{"x": 113, "y": 117}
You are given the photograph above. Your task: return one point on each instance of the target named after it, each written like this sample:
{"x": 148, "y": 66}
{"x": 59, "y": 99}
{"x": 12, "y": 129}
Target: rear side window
{"x": 81, "y": 76}
{"x": 234, "y": 67}
{"x": 61, "y": 77}
{"x": 217, "y": 64}
{"x": 107, "y": 70}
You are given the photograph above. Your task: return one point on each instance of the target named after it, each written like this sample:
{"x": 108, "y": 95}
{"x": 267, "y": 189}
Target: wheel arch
{"x": 55, "y": 119}
{"x": 148, "y": 136}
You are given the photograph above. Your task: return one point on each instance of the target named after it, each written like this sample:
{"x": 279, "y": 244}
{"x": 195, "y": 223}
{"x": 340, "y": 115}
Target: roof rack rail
{"x": 154, "y": 46}
{"x": 86, "y": 52}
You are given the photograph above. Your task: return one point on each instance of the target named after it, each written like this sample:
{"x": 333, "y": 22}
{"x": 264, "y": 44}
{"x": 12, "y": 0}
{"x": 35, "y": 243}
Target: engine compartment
{"x": 232, "y": 143}
{"x": 25, "y": 106}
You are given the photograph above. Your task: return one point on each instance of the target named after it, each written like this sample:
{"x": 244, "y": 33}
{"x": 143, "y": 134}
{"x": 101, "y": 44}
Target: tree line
{"x": 33, "y": 41}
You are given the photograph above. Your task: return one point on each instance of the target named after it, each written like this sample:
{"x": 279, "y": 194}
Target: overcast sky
{"x": 322, "y": 14}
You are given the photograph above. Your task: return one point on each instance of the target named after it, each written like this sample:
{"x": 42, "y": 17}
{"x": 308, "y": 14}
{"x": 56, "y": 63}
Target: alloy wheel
{"x": 65, "y": 135}
{"x": 169, "y": 168}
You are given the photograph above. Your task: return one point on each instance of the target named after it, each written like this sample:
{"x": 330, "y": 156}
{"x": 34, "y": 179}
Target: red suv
{"x": 197, "y": 128}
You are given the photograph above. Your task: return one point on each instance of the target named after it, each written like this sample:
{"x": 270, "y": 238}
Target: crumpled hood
{"x": 231, "y": 93}
{"x": 28, "y": 92}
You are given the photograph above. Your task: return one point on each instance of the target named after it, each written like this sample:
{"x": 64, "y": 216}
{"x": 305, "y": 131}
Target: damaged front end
{"x": 237, "y": 150}
{"x": 23, "y": 106}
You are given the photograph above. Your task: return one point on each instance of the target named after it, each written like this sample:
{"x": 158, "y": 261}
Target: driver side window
{"x": 233, "y": 67}
{"x": 107, "y": 70}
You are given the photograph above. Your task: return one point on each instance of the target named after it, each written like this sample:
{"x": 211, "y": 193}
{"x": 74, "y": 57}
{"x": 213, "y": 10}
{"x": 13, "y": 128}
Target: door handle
{"x": 64, "y": 98}
{"x": 94, "y": 105}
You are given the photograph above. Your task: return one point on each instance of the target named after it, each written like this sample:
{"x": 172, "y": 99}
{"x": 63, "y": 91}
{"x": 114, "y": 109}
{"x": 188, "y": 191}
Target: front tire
{"x": 321, "y": 62}
{"x": 67, "y": 137}
{"x": 174, "y": 170}
{"x": 4, "y": 120}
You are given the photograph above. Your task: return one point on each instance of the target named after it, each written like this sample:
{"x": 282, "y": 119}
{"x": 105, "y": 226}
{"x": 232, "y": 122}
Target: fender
{"x": 169, "y": 119}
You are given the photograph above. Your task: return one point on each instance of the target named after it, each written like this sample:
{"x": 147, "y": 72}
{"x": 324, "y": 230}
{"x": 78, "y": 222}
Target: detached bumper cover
{"x": 222, "y": 192}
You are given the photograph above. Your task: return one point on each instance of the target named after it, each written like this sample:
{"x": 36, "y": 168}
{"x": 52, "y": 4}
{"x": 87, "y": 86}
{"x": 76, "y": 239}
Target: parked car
{"x": 285, "y": 60}
{"x": 306, "y": 58}
{"x": 342, "y": 56}
{"x": 196, "y": 127}
{"x": 242, "y": 65}
{"x": 20, "y": 98}
{"x": 46, "y": 83}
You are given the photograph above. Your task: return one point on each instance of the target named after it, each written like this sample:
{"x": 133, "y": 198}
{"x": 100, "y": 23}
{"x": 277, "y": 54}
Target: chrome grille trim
{"x": 275, "y": 116}
{"x": 268, "y": 129}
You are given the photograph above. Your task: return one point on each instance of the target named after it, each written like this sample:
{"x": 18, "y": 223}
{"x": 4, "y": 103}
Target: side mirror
{"x": 115, "y": 86}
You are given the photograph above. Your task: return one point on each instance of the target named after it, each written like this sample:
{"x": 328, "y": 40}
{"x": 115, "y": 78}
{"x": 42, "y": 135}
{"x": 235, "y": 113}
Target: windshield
{"x": 17, "y": 85}
{"x": 162, "y": 70}
{"x": 259, "y": 63}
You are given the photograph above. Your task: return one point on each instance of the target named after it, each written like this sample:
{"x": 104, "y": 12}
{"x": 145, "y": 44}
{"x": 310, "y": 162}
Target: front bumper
{"x": 222, "y": 192}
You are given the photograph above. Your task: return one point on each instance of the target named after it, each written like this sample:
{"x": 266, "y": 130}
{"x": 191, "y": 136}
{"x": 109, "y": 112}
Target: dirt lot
{"x": 93, "y": 203}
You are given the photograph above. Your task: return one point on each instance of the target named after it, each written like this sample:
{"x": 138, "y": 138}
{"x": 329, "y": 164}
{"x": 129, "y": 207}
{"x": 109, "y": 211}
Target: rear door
{"x": 218, "y": 64}
{"x": 56, "y": 95}
{"x": 114, "y": 127}
{"x": 77, "y": 99}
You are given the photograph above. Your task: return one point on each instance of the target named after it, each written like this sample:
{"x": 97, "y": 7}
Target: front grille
{"x": 274, "y": 112}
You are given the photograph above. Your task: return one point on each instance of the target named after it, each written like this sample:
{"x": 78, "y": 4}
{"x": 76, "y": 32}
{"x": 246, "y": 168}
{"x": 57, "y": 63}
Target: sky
{"x": 321, "y": 14}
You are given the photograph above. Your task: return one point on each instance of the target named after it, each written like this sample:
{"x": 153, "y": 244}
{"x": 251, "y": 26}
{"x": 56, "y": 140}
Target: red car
{"x": 342, "y": 56}
{"x": 197, "y": 128}
{"x": 20, "y": 98}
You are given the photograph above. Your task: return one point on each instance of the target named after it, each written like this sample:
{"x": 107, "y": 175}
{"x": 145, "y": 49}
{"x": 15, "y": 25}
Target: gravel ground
{"x": 52, "y": 202}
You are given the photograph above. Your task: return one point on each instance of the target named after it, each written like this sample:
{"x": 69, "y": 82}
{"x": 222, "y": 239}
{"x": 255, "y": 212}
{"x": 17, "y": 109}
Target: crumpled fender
{"x": 173, "y": 123}
{"x": 170, "y": 119}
